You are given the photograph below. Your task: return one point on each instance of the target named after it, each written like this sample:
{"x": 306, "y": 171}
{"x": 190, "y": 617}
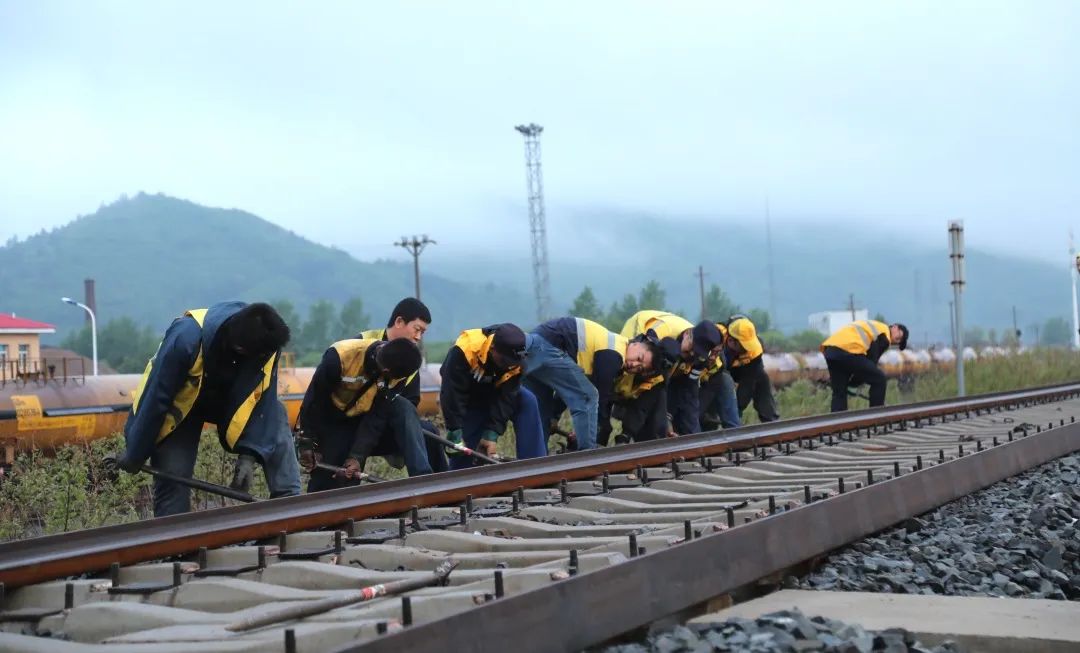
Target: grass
{"x": 67, "y": 490}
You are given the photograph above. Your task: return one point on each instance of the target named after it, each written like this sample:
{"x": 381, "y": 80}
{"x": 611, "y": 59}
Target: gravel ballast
{"x": 788, "y": 631}
{"x": 1017, "y": 538}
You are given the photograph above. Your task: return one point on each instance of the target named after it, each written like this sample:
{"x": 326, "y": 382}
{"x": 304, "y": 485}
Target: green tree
{"x": 992, "y": 336}
{"x": 586, "y": 306}
{"x": 620, "y": 312}
{"x": 122, "y": 344}
{"x": 1056, "y": 331}
{"x": 652, "y": 297}
{"x": 352, "y": 319}
{"x": 317, "y": 332}
{"x": 719, "y": 307}
{"x": 761, "y": 319}
{"x": 806, "y": 340}
{"x": 880, "y": 318}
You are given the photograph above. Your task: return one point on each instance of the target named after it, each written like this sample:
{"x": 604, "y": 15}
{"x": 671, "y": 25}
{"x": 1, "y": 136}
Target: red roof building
{"x": 20, "y": 346}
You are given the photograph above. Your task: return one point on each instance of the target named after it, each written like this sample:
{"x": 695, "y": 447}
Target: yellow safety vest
{"x": 346, "y": 395}
{"x": 743, "y": 330}
{"x": 666, "y": 325}
{"x": 185, "y": 398}
{"x": 476, "y": 345}
{"x": 856, "y": 337}
{"x": 628, "y": 387}
{"x": 593, "y": 337}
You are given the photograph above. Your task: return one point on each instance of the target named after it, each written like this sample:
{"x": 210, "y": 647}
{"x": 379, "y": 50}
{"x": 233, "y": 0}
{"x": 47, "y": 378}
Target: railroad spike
{"x": 290, "y": 640}
{"x": 633, "y": 545}
{"x": 406, "y": 611}
{"x": 572, "y": 568}
{"x": 730, "y": 517}
{"x": 69, "y": 596}
{"x": 500, "y": 589}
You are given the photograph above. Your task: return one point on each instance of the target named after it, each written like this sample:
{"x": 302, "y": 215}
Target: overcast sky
{"x": 359, "y": 122}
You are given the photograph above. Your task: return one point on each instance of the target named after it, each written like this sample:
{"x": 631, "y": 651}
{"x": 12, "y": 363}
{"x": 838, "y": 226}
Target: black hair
{"x": 409, "y": 309}
{"x": 258, "y": 329}
{"x": 400, "y": 357}
{"x": 659, "y": 362}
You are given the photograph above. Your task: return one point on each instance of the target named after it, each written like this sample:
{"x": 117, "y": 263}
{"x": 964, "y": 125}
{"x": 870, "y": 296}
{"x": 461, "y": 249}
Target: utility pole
{"x": 534, "y": 180}
{"x": 952, "y": 327}
{"x": 956, "y": 253}
{"x": 701, "y": 289}
{"x": 851, "y": 305}
{"x": 414, "y": 246}
{"x": 1074, "y": 265}
{"x": 1016, "y": 329}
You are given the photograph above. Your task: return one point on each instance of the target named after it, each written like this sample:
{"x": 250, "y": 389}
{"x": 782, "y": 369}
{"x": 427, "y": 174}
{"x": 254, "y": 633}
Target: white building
{"x": 828, "y": 322}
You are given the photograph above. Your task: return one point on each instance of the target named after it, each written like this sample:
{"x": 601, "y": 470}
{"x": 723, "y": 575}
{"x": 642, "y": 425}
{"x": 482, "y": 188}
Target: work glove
{"x": 113, "y": 464}
{"x": 454, "y": 436}
{"x": 487, "y": 444}
{"x": 243, "y": 472}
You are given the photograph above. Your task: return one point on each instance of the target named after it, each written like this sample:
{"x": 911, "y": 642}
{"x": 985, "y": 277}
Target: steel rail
{"x": 592, "y": 608}
{"x": 55, "y": 556}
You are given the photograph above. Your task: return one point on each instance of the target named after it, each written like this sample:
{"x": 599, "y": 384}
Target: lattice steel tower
{"x": 534, "y": 180}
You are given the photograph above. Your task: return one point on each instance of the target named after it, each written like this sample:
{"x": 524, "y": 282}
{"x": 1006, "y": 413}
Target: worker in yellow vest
{"x": 745, "y": 359}
{"x": 852, "y": 354}
{"x": 481, "y": 391}
{"x": 698, "y": 345}
{"x": 216, "y": 365}
{"x": 576, "y": 363}
{"x": 409, "y": 319}
{"x": 354, "y": 408}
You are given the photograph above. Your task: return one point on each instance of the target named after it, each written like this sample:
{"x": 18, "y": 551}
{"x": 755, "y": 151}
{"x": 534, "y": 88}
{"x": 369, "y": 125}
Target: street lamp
{"x": 93, "y": 326}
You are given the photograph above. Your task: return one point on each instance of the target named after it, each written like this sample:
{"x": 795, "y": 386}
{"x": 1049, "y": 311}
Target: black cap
{"x": 671, "y": 352}
{"x": 509, "y": 342}
{"x": 399, "y": 357}
{"x": 903, "y": 340}
{"x": 706, "y": 338}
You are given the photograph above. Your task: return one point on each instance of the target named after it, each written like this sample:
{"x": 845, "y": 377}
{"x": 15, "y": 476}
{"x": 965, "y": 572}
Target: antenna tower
{"x": 534, "y": 180}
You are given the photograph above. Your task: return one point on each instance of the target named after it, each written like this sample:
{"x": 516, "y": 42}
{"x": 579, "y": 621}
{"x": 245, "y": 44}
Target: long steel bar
{"x": 44, "y": 558}
{"x": 600, "y": 605}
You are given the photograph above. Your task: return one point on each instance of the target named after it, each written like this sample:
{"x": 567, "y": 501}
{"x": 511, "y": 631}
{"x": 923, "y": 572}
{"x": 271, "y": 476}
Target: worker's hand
{"x": 487, "y": 444}
{"x": 114, "y": 463}
{"x": 351, "y": 469}
{"x": 308, "y": 458}
{"x": 243, "y": 472}
{"x": 454, "y": 436}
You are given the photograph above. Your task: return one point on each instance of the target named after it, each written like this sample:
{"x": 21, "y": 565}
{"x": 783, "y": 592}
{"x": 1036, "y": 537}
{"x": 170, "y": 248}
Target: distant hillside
{"x": 815, "y": 267}
{"x": 154, "y": 256}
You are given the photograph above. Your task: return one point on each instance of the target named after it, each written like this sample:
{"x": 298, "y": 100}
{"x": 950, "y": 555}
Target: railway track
{"x": 570, "y": 550}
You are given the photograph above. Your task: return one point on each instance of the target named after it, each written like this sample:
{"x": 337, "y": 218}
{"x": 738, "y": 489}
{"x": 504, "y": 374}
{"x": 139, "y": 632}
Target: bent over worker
{"x": 575, "y": 363}
{"x": 481, "y": 391}
{"x": 216, "y": 365}
{"x": 745, "y": 356}
{"x": 355, "y": 408}
{"x": 698, "y": 344}
{"x": 852, "y": 354}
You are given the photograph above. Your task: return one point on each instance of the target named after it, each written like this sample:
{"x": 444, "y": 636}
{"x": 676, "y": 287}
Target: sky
{"x": 354, "y": 123}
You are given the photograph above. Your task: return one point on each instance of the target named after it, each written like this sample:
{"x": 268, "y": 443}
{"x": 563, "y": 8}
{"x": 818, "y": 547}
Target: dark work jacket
{"x": 461, "y": 391}
{"x": 607, "y": 367}
{"x": 227, "y": 382}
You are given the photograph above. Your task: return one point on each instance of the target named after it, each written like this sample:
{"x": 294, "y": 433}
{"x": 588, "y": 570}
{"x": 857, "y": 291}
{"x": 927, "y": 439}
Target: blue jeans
{"x": 682, "y": 404}
{"x": 718, "y": 398}
{"x": 176, "y": 454}
{"x": 549, "y": 371}
{"x": 528, "y": 431}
